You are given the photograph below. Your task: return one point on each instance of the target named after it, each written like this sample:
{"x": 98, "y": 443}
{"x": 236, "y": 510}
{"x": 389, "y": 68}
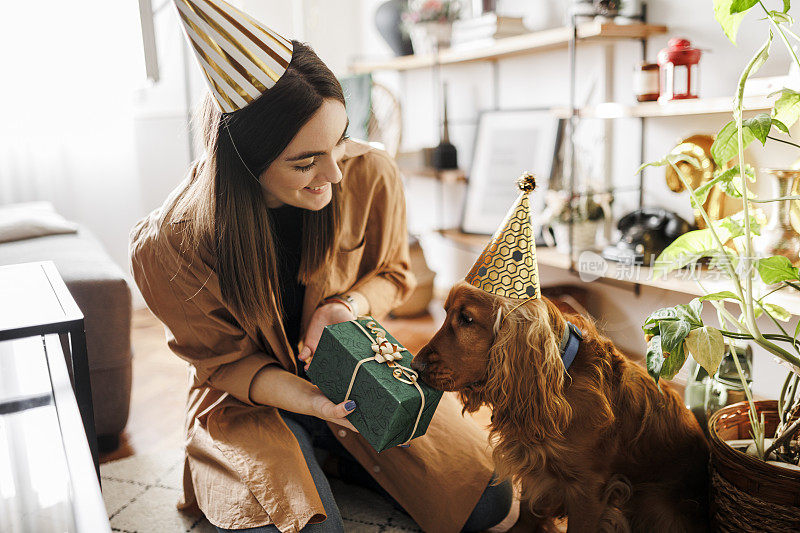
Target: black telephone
{"x": 645, "y": 234}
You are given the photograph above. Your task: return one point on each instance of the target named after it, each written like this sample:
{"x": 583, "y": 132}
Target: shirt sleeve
{"x": 391, "y": 281}
{"x": 184, "y": 295}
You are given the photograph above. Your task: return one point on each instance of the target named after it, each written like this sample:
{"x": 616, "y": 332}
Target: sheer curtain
{"x": 68, "y": 75}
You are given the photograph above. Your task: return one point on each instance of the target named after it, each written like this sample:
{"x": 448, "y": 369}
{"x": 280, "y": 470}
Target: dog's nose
{"x": 420, "y": 363}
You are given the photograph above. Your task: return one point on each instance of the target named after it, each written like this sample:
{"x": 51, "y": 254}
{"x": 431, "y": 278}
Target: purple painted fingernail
{"x": 404, "y": 446}
{"x": 350, "y": 405}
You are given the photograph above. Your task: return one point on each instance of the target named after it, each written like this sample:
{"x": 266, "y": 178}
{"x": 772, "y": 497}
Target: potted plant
{"x": 584, "y": 212}
{"x": 755, "y": 483}
{"x": 430, "y": 23}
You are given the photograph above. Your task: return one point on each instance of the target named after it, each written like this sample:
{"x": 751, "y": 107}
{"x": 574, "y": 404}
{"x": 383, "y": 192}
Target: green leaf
{"x": 733, "y": 172}
{"x": 776, "y": 269}
{"x": 659, "y": 163}
{"x": 759, "y": 126}
{"x": 686, "y": 249}
{"x": 726, "y": 146}
{"x": 673, "y": 362}
{"x": 781, "y": 17}
{"x": 786, "y": 5}
{"x": 778, "y": 312}
{"x": 721, "y": 295}
{"x": 650, "y": 326}
{"x": 730, "y": 22}
{"x": 741, "y": 6}
{"x": 683, "y": 158}
{"x": 733, "y": 187}
{"x": 703, "y": 190}
{"x": 781, "y": 126}
{"x": 735, "y": 227}
{"x": 787, "y": 107}
{"x": 717, "y": 261}
{"x": 760, "y": 58}
{"x": 693, "y": 245}
{"x": 707, "y": 347}
{"x": 673, "y": 349}
{"x": 672, "y": 333}
{"x": 696, "y": 312}
{"x": 729, "y": 181}
{"x": 655, "y": 358}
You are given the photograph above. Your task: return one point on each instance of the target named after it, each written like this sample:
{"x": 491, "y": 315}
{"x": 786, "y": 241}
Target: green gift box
{"x": 387, "y": 402}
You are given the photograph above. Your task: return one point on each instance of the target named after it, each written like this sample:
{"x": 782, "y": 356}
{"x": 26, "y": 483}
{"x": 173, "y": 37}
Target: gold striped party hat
{"x": 507, "y": 267}
{"x": 240, "y": 57}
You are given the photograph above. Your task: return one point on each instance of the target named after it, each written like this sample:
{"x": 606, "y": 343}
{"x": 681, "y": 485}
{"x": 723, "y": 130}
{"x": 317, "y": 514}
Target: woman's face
{"x": 302, "y": 175}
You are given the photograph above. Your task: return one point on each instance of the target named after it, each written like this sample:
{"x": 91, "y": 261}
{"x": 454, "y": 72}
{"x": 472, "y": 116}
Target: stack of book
{"x": 485, "y": 29}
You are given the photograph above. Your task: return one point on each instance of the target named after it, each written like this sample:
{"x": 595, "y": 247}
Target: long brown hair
{"x": 225, "y": 202}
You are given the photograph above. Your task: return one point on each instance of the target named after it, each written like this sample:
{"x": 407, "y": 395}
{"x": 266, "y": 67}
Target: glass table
{"x": 48, "y": 482}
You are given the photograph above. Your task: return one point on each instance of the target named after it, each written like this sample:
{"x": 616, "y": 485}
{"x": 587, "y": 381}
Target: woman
{"x": 283, "y": 227}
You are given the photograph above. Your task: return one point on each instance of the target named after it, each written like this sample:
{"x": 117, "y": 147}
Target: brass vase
{"x": 778, "y": 237}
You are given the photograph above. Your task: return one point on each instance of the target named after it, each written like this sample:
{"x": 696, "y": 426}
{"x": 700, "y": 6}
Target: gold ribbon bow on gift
{"x": 389, "y": 353}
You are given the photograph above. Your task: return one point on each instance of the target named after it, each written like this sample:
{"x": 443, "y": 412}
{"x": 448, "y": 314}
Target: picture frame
{"x": 507, "y": 143}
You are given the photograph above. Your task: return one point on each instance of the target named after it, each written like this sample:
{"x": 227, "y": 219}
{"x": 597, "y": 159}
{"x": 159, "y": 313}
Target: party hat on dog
{"x": 507, "y": 267}
{"x": 240, "y": 57}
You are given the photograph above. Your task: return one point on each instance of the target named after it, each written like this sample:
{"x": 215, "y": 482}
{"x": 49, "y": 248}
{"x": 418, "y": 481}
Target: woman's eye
{"x": 464, "y": 319}
{"x": 305, "y": 168}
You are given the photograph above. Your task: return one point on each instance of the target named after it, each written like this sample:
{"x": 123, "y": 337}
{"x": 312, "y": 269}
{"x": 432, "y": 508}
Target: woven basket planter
{"x": 748, "y": 494}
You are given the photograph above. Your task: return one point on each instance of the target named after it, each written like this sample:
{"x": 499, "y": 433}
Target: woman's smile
{"x": 317, "y": 190}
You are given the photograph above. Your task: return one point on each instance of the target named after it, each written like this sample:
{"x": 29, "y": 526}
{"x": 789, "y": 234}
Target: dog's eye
{"x": 464, "y": 319}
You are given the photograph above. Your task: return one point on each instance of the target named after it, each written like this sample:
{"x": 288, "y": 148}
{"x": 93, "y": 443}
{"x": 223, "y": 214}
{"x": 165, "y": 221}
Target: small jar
{"x": 645, "y": 82}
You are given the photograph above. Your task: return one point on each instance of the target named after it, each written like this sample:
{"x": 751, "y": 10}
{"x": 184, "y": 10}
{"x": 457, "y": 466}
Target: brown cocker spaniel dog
{"x": 599, "y": 444}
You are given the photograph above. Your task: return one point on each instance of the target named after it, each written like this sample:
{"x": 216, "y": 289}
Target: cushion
{"x": 32, "y": 219}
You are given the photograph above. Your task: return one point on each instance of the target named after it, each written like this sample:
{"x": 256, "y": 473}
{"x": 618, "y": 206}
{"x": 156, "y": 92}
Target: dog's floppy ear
{"x": 526, "y": 373}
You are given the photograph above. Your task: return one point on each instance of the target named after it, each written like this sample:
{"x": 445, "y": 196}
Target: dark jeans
{"x": 310, "y": 432}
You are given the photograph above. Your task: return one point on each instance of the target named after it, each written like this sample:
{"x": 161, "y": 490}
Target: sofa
{"x": 102, "y": 293}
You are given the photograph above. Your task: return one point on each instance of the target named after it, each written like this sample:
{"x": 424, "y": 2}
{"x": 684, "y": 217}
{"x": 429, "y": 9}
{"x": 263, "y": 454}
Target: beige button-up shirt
{"x": 243, "y": 465}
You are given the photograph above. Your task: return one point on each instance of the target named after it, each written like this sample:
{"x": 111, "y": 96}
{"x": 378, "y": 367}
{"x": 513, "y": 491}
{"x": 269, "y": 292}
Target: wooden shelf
{"x": 682, "y": 281}
{"x": 456, "y": 175}
{"x": 517, "y": 45}
{"x": 677, "y": 108}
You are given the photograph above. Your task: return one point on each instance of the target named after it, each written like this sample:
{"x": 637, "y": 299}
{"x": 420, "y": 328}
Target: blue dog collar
{"x": 570, "y": 342}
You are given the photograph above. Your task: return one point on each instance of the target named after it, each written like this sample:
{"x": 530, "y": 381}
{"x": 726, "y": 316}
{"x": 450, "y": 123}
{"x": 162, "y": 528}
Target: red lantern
{"x": 678, "y": 70}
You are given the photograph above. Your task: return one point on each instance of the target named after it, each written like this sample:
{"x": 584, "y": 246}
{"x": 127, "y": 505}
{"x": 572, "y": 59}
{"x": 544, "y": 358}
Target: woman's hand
{"x": 274, "y": 386}
{"x": 325, "y": 315}
{"x": 327, "y": 410}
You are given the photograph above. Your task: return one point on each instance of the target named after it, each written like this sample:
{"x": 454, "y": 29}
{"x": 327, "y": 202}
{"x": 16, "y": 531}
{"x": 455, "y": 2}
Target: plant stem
{"x": 730, "y": 317}
{"x": 782, "y": 141}
{"x": 776, "y": 289}
{"x": 774, "y": 320}
{"x": 747, "y": 298}
{"x": 781, "y": 199}
{"x": 756, "y": 429}
{"x": 792, "y": 393}
{"x": 781, "y": 33}
{"x": 749, "y": 336}
{"x": 786, "y": 435}
{"x": 698, "y": 205}
{"x": 782, "y": 395}
{"x": 743, "y": 379}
